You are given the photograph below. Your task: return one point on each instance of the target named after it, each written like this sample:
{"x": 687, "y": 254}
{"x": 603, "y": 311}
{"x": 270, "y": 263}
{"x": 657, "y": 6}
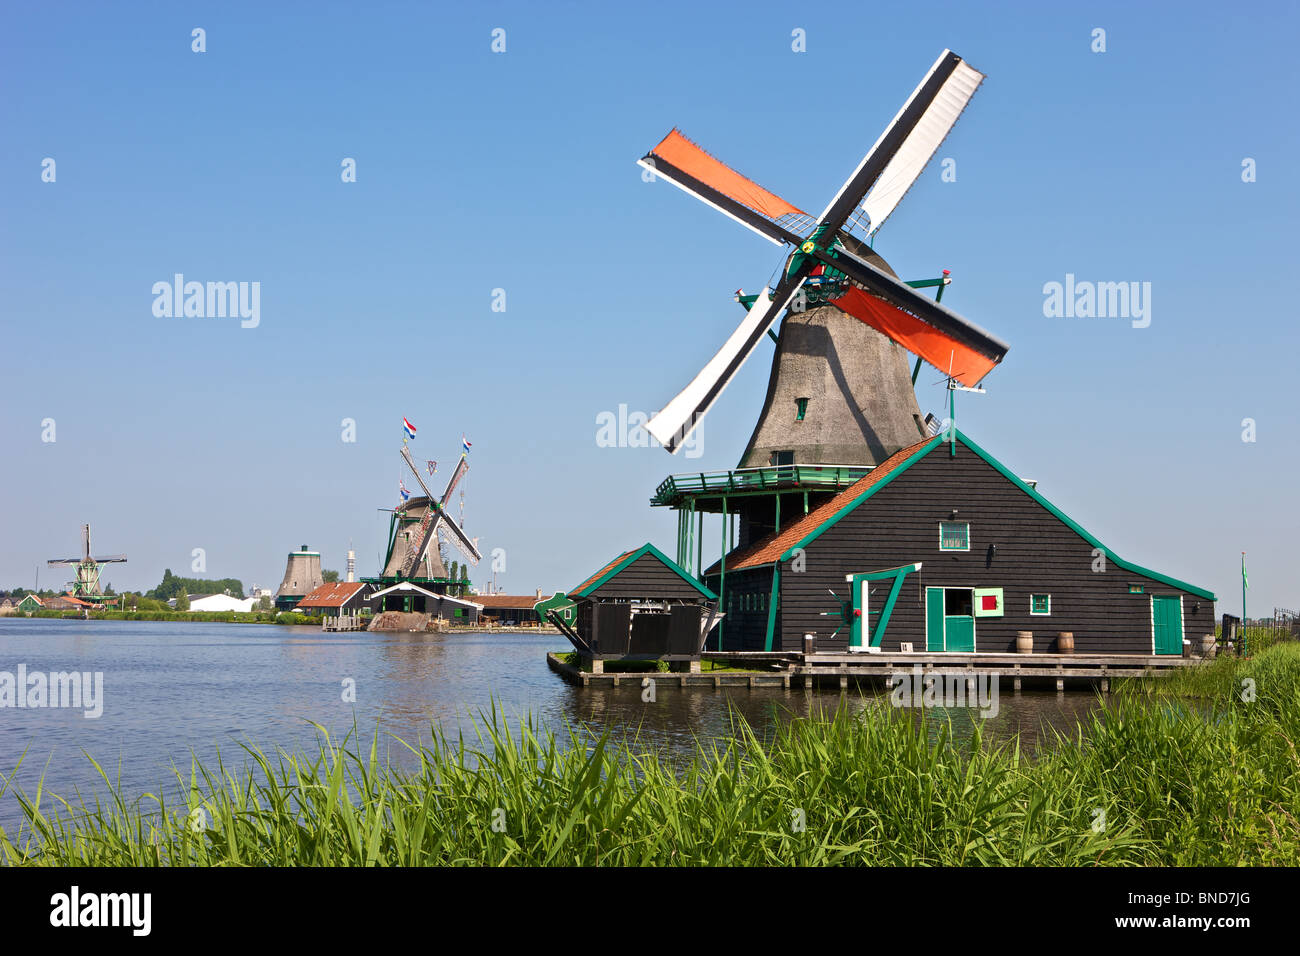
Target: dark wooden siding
{"x": 1036, "y": 553}
{"x": 745, "y": 601}
{"x": 646, "y": 579}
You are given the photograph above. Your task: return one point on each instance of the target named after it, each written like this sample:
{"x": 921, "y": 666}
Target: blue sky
{"x": 479, "y": 171}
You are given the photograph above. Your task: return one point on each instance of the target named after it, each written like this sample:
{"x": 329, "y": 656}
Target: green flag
{"x": 1245, "y": 581}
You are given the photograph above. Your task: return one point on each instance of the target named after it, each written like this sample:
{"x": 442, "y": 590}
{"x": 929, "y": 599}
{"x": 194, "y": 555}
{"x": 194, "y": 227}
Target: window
{"x": 801, "y": 408}
{"x": 1040, "y": 604}
{"x": 954, "y": 536}
{"x": 1135, "y": 589}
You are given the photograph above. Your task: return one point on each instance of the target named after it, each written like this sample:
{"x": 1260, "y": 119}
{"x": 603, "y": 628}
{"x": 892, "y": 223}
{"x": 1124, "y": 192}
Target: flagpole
{"x": 1245, "y": 644}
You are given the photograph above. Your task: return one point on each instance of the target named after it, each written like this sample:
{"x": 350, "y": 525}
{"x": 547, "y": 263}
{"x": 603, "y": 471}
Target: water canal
{"x": 172, "y": 689}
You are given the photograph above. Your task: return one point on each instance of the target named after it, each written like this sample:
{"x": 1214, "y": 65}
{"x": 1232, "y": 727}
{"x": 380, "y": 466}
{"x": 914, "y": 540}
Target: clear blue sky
{"x": 479, "y": 171}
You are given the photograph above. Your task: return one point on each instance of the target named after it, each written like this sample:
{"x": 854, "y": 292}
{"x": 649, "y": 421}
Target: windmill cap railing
{"x": 748, "y": 480}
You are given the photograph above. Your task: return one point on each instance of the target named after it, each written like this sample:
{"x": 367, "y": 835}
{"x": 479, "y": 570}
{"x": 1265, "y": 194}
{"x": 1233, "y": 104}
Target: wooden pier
{"x": 344, "y": 622}
{"x": 792, "y": 669}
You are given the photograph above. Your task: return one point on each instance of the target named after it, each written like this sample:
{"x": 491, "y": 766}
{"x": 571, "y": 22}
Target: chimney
{"x": 539, "y": 594}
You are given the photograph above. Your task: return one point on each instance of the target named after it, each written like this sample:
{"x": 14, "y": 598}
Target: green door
{"x": 1167, "y": 623}
{"x": 934, "y": 620}
{"x": 959, "y": 620}
{"x": 949, "y": 620}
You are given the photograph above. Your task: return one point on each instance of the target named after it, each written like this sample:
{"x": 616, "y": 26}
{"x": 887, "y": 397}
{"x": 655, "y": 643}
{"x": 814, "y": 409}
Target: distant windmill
{"x": 86, "y": 586}
{"x": 839, "y": 390}
{"x": 418, "y": 522}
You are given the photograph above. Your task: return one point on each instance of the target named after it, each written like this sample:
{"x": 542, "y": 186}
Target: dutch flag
{"x": 410, "y": 429}
{"x": 464, "y": 443}
{"x": 401, "y": 489}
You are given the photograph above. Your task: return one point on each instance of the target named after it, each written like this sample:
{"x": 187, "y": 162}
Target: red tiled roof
{"x": 332, "y": 595}
{"x": 769, "y": 549}
{"x": 601, "y": 573}
{"x": 509, "y": 600}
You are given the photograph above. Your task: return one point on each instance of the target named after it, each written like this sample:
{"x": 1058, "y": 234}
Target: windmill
{"x": 86, "y": 586}
{"x": 839, "y": 391}
{"x": 417, "y": 522}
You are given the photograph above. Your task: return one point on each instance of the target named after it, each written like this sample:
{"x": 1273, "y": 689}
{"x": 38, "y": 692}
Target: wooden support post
{"x": 1060, "y": 685}
{"x": 1015, "y": 685}
{"x": 597, "y": 666}
{"x": 695, "y": 667}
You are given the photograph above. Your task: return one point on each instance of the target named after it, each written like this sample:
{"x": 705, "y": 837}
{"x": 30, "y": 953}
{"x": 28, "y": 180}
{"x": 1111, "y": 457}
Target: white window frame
{"x": 1048, "y": 612}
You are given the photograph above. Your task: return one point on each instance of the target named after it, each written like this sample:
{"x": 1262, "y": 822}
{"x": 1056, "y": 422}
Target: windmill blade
{"x": 907, "y": 144}
{"x": 461, "y": 468}
{"x": 58, "y": 562}
{"x": 918, "y": 323}
{"x": 711, "y": 181}
{"x": 459, "y": 538}
{"x": 679, "y": 418}
{"x": 406, "y": 454}
{"x": 111, "y": 559}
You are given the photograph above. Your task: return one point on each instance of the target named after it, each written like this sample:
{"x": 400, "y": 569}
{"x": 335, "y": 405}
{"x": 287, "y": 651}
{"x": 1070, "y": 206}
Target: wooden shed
{"x": 640, "y": 606}
{"x": 941, "y": 547}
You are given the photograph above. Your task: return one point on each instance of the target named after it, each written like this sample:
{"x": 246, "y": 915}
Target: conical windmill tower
{"x": 840, "y": 398}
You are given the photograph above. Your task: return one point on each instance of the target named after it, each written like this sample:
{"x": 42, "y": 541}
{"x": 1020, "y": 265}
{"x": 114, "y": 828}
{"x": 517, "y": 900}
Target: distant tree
{"x": 182, "y": 602}
{"x": 264, "y": 603}
{"x": 453, "y": 574}
{"x": 330, "y": 577}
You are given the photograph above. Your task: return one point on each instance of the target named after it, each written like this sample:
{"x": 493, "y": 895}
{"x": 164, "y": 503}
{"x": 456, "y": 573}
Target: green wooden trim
{"x": 1033, "y": 493}
{"x": 771, "y": 606}
{"x": 1077, "y": 529}
{"x": 645, "y": 549}
{"x": 878, "y": 634}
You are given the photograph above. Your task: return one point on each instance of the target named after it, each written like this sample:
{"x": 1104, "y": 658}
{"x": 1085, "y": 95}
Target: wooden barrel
{"x": 1065, "y": 642}
{"x": 1208, "y": 647}
{"x": 1024, "y": 642}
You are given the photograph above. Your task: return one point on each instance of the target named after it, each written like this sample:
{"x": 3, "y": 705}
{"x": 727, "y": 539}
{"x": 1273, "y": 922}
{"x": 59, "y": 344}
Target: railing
{"x": 830, "y": 477}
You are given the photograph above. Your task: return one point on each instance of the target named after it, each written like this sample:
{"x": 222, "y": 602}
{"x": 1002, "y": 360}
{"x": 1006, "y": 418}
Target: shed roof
{"x": 625, "y": 559}
{"x": 510, "y": 600}
{"x": 332, "y": 595}
{"x": 408, "y": 586}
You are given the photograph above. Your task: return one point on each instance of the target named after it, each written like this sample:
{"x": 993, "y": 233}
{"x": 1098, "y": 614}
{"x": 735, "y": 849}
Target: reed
{"x": 1151, "y": 780}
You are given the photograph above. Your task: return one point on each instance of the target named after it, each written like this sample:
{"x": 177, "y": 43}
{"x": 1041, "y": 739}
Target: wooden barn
{"x": 941, "y": 547}
{"x": 641, "y": 605}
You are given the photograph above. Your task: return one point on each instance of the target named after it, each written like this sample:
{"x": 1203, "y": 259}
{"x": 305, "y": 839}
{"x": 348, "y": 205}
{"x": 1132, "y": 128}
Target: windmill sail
{"x": 909, "y": 141}
{"x": 918, "y": 323}
{"x": 674, "y": 424}
{"x": 916, "y": 151}
{"x": 691, "y": 169}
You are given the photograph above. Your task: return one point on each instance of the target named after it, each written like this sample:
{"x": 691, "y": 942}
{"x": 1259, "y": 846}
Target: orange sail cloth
{"x": 695, "y": 162}
{"x": 920, "y": 338}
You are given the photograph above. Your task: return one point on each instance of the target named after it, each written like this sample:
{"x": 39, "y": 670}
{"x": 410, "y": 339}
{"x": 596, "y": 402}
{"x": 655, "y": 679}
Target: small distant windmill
{"x": 418, "y": 522}
{"x": 839, "y": 390}
{"x": 86, "y": 586}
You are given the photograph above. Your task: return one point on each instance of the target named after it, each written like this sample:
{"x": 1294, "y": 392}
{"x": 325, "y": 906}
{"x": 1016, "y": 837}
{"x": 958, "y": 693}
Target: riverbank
{"x": 1149, "y": 781}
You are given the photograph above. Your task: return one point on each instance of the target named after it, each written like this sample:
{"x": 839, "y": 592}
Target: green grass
{"x": 1217, "y": 783}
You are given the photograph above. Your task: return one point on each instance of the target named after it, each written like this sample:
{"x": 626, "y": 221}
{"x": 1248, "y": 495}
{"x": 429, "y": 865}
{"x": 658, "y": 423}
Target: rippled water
{"x": 170, "y": 689}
